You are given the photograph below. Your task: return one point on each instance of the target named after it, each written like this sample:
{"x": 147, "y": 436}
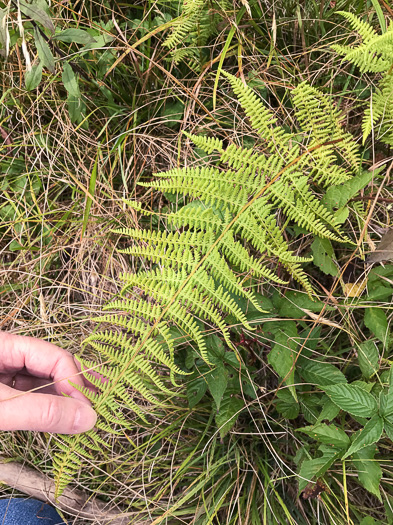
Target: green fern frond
{"x": 322, "y": 120}
{"x": 374, "y": 55}
{"x": 184, "y": 24}
{"x": 201, "y": 218}
{"x": 207, "y": 144}
{"x": 261, "y": 118}
{"x": 193, "y": 275}
{"x": 196, "y": 183}
{"x": 363, "y": 28}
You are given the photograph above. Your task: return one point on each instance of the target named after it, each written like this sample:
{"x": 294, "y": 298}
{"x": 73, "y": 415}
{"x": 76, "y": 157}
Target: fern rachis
{"x": 228, "y": 226}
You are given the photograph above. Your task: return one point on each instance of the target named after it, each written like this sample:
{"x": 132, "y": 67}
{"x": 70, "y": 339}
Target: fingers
{"x": 25, "y": 382}
{"x": 44, "y": 413}
{"x": 41, "y": 359}
{"x": 94, "y": 373}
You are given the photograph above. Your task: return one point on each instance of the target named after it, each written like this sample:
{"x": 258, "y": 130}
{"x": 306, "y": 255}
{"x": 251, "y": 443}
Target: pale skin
{"x": 27, "y": 363}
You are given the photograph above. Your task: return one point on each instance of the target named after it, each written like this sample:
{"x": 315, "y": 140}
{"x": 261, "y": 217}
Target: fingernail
{"x": 85, "y": 419}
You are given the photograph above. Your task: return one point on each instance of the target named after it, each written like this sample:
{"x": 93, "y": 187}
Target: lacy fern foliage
{"x": 197, "y": 23}
{"x": 214, "y": 248}
{"x": 373, "y": 54}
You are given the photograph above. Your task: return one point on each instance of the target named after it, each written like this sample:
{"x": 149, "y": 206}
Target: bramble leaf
{"x": 368, "y": 358}
{"x": 352, "y": 399}
{"x": 369, "y": 470}
{"x": 366, "y": 436}
{"x": 328, "y": 434}
{"x": 376, "y": 321}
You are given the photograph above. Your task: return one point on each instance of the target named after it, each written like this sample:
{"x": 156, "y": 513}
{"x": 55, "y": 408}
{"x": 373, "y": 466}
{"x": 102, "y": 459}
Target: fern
{"x": 374, "y": 54}
{"x": 215, "y": 245}
{"x": 197, "y": 23}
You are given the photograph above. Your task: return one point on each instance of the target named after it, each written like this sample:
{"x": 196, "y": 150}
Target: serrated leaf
{"x": 376, "y": 321}
{"x": 283, "y": 354}
{"x": 230, "y": 409}
{"x": 286, "y": 405}
{"x": 310, "y": 406}
{"x": 323, "y": 255}
{"x": 33, "y": 77}
{"x": 369, "y": 471}
{"x": 37, "y": 14}
{"x": 74, "y": 36}
{"x": 327, "y": 434}
{"x": 215, "y": 349}
{"x": 388, "y": 427}
{"x": 217, "y": 383}
{"x": 386, "y": 405}
{"x": 379, "y": 293}
{"x": 368, "y": 358}
{"x": 44, "y": 52}
{"x": 196, "y": 388}
{"x": 329, "y": 410}
{"x": 320, "y": 373}
{"x": 292, "y": 305}
{"x": 352, "y": 399}
{"x": 315, "y": 468}
{"x": 366, "y": 436}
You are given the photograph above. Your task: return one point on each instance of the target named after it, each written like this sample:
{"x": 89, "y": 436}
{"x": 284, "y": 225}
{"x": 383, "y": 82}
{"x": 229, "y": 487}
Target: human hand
{"x": 27, "y": 363}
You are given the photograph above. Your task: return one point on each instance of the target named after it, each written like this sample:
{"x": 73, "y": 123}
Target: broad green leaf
{"x": 379, "y": 293}
{"x": 378, "y": 272}
{"x": 286, "y": 405}
{"x": 76, "y": 108}
{"x": 217, "y": 383}
{"x": 388, "y": 427}
{"x": 15, "y": 246}
{"x": 33, "y": 77}
{"x": 70, "y": 80}
{"x": 328, "y": 434}
{"x": 366, "y": 436}
{"x": 368, "y": 520}
{"x": 196, "y": 387}
{"x": 352, "y": 399}
{"x": 386, "y": 405}
{"x": 310, "y": 407}
{"x": 74, "y": 36}
{"x": 172, "y": 113}
{"x": 329, "y": 410}
{"x": 230, "y": 409}
{"x": 292, "y": 305}
{"x": 215, "y": 349}
{"x": 7, "y": 212}
{"x": 37, "y": 14}
{"x": 315, "y": 468}
{"x": 369, "y": 470}
{"x": 283, "y": 354}
{"x": 44, "y": 52}
{"x": 363, "y": 385}
{"x": 323, "y": 255}
{"x": 320, "y": 373}
{"x": 376, "y": 321}
{"x": 338, "y": 196}
{"x": 368, "y": 358}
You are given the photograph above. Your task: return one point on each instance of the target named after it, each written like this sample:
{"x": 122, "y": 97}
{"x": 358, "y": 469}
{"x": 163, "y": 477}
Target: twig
{"x": 72, "y": 501}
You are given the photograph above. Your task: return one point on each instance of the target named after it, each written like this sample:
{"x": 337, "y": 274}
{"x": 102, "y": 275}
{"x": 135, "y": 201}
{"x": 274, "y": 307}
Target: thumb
{"x": 44, "y": 412}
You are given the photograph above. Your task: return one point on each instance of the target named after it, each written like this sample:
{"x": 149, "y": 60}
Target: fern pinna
{"x": 374, "y": 54}
{"x": 197, "y": 23}
{"x": 227, "y": 228}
